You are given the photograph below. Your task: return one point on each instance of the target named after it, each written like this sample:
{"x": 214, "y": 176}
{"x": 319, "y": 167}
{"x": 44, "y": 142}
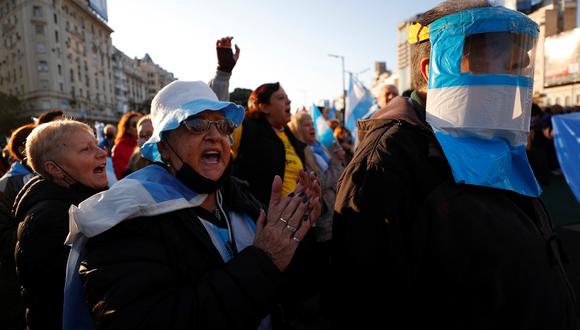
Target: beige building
{"x": 155, "y": 76}
{"x": 130, "y": 84}
{"x": 554, "y": 18}
{"x": 57, "y": 54}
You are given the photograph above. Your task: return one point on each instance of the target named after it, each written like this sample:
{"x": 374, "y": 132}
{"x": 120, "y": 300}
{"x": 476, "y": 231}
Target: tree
{"x": 240, "y": 96}
{"x": 10, "y": 114}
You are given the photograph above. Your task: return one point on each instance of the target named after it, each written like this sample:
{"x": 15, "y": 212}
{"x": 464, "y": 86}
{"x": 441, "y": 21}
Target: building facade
{"x": 155, "y": 76}
{"x": 59, "y": 54}
{"x": 56, "y": 54}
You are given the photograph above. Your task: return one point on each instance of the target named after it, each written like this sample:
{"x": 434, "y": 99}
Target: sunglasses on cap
{"x": 199, "y": 125}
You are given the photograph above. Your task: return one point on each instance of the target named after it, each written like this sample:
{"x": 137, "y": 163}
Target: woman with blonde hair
{"x": 71, "y": 167}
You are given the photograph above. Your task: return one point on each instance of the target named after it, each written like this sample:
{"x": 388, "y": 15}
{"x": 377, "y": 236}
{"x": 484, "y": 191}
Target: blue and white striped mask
{"x": 480, "y": 95}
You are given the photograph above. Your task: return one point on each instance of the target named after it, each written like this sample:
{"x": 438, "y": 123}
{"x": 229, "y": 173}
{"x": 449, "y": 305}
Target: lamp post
{"x": 343, "y": 87}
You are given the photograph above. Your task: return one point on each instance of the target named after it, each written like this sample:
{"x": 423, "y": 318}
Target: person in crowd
{"x": 144, "y": 132}
{"x": 387, "y": 93}
{"x": 182, "y": 243}
{"x": 437, "y": 224}
{"x": 328, "y": 166}
{"x": 227, "y": 60}
{"x": 108, "y": 141}
{"x": 52, "y": 115}
{"x": 333, "y": 124}
{"x": 125, "y": 142}
{"x": 12, "y": 316}
{"x": 70, "y": 167}
{"x": 344, "y": 138}
{"x": 264, "y": 146}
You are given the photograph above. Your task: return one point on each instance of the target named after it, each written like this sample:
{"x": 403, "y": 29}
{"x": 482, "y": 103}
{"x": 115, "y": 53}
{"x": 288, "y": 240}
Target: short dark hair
{"x": 422, "y": 50}
{"x": 49, "y": 116}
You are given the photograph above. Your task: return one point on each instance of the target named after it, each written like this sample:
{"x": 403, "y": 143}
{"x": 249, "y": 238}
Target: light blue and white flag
{"x": 567, "y": 143}
{"x": 323, "y": 132}
{"x": 358, "y": 103}
{"x": 147, "y": 192}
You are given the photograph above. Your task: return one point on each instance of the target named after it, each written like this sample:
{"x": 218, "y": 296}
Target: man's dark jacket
{"x": 414, "y": 250}
{"x": 262, "y": 155}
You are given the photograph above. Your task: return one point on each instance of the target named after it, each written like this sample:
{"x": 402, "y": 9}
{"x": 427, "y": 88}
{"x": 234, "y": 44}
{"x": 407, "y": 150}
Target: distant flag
{"x": 567, "y": 143}
{"x": 358, "y": 103}
{"x": 331, "y": 110}
{"x": 323, "y": 131}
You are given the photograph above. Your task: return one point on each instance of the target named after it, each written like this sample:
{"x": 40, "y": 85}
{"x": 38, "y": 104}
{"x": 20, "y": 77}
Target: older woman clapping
{"x": 71, "y": 167}
{"x": 182, "y": 243}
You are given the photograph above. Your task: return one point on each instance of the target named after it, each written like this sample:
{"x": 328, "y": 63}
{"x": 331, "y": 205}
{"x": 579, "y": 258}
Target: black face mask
{"x": 199, "y": 183}
{"x": 76, "y": 185}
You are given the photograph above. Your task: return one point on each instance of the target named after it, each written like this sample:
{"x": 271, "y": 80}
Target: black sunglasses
{"x": 198, "y": 125}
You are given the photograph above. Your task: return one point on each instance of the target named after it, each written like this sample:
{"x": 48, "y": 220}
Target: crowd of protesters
{"x": 205, "y": 214}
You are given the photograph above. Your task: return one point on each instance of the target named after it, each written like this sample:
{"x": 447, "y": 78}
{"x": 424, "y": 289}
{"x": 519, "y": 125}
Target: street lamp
{"x": 343, "y": 88}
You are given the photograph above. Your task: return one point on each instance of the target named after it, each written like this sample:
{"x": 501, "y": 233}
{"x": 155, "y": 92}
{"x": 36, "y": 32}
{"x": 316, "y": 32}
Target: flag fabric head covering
{"x": 178, "y": 101}
{"x": 479, "y": 99}
{"x": 146, "y": 192}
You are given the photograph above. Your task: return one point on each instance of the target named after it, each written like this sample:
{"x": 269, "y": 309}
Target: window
{"x": 55, "y": 19}
{"x": 39, "y": 28}
{"x": 40, "y": 47}
{"x": 59, "y": 70}
{"x": 44, "y": 84}
{"x": 567, "y": 101}
{"x": 61, "y": 87}
{"x": 72, "y": 75}
{"x": 557, "y": 101}
{"x": 36, "y": 11}
{"x": 42, "y": 66}
{"x": 56, "y": 35}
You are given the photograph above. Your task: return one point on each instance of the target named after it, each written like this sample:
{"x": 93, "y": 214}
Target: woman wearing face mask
{"x": 71, "y": 167}
{"x": 182, "y": 243}
{"x": 264, "y": 146}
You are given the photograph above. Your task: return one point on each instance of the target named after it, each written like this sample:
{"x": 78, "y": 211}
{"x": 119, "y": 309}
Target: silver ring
{"x": 284, "y": 220}
{"x": 291, "y": 229}
{"x": 295, "y": 239}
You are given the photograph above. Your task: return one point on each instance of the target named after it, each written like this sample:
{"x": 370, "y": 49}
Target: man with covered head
{"x": 182, "y": 244}
{"x": 437, "y": 222}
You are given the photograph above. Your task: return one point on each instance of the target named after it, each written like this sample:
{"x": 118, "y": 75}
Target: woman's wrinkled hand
{"x": 288, "y": 220}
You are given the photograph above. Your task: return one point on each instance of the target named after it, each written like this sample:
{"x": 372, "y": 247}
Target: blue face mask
{"x": 480, "y": 95}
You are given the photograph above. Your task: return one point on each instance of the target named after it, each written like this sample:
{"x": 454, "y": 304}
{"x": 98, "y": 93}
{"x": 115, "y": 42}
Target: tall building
{"x": 155, "y": 76}
{"x": 57, "y": 54}
{"x": 130, "y": 84}
{"x": 554, "y": 18}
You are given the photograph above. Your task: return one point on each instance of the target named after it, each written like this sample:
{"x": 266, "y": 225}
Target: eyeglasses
{"x": 198, "y": 125}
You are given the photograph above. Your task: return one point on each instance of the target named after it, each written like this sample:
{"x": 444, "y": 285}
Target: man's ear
{"x": 425, "y": 69}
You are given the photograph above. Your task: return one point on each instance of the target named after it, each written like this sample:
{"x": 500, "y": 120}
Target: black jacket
{"x": 163, "y": 272}
{"x": 261, "y": 156}
{"x": 41, "y": 209}
{"x": 415, "y": 250}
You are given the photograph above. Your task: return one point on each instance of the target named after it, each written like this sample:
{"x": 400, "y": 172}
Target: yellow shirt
{"x": 293, "y": 165}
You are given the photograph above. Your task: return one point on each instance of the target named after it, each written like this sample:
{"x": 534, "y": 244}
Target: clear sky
{"x": 285, "y": 41}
